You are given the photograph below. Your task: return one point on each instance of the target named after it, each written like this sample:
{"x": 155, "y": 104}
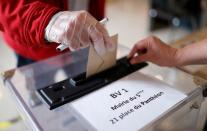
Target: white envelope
{"x": 97, "y": 63}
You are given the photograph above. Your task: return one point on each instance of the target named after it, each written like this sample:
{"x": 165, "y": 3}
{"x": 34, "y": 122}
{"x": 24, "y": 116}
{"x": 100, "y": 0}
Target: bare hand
{"x": 152, "y": 49}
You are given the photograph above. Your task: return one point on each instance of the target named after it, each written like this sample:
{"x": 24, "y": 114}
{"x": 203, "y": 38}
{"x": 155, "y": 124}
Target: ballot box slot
{"x": 73, "y": 88}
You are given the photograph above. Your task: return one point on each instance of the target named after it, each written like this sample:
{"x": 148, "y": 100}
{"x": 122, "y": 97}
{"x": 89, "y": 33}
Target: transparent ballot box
{"x": 48, "y": 101}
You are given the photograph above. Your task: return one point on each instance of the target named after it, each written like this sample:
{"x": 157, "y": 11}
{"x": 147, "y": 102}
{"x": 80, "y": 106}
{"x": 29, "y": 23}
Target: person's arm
{"x": 154, "y": 50}
{"x": 26, "y": 20}
{"x": 32, "y": 23}
{"x": 195, "y": 53}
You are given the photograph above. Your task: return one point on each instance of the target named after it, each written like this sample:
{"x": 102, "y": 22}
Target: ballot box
{"x": 50, "y": 95}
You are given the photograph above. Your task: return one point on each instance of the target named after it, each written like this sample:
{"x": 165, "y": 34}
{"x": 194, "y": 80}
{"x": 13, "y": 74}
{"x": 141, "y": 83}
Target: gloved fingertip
{"x": 100, "y": 48}
{"x": 72, "y": 50}
{"x": 100, "y": 51}
{"x": 110, "y": 46}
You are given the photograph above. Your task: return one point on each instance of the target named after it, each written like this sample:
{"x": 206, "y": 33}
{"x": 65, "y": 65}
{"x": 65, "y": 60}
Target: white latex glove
{"x": 78, "y": 29}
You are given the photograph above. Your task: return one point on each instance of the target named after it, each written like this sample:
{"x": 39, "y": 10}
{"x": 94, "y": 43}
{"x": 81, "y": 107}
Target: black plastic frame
{"x": 70, "y": 89}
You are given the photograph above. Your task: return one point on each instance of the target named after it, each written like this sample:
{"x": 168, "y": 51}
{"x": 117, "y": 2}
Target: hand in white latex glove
{"x": 78, "y": 29}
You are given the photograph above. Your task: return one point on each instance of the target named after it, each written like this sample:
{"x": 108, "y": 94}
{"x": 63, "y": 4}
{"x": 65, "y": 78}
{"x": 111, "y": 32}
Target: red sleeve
{"x": 97, "y": 8}
{"x": 25, "y": 20}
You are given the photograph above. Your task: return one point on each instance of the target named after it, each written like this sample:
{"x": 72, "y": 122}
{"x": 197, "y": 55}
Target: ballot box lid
{"x": 22, "y": 84}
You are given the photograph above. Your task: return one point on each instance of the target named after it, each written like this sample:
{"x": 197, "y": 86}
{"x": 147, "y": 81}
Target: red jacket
{"x": 23, "y": 23}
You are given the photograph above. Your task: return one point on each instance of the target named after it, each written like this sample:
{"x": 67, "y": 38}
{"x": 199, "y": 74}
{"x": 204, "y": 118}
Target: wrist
{"x": 49, "y": 26}
{"x": 179, "y": 61}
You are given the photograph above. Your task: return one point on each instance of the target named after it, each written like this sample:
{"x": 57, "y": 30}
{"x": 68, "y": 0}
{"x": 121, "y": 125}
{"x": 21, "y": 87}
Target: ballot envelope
{"x": 55, "y": 94}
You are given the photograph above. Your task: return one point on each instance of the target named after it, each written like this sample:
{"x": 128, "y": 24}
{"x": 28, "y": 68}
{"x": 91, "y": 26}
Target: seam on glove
{"x": 45, "y": 22}
{"x": 49, "y": 26}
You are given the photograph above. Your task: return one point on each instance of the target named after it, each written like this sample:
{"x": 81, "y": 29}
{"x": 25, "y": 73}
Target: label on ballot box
{"x": 128, "y": 104}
